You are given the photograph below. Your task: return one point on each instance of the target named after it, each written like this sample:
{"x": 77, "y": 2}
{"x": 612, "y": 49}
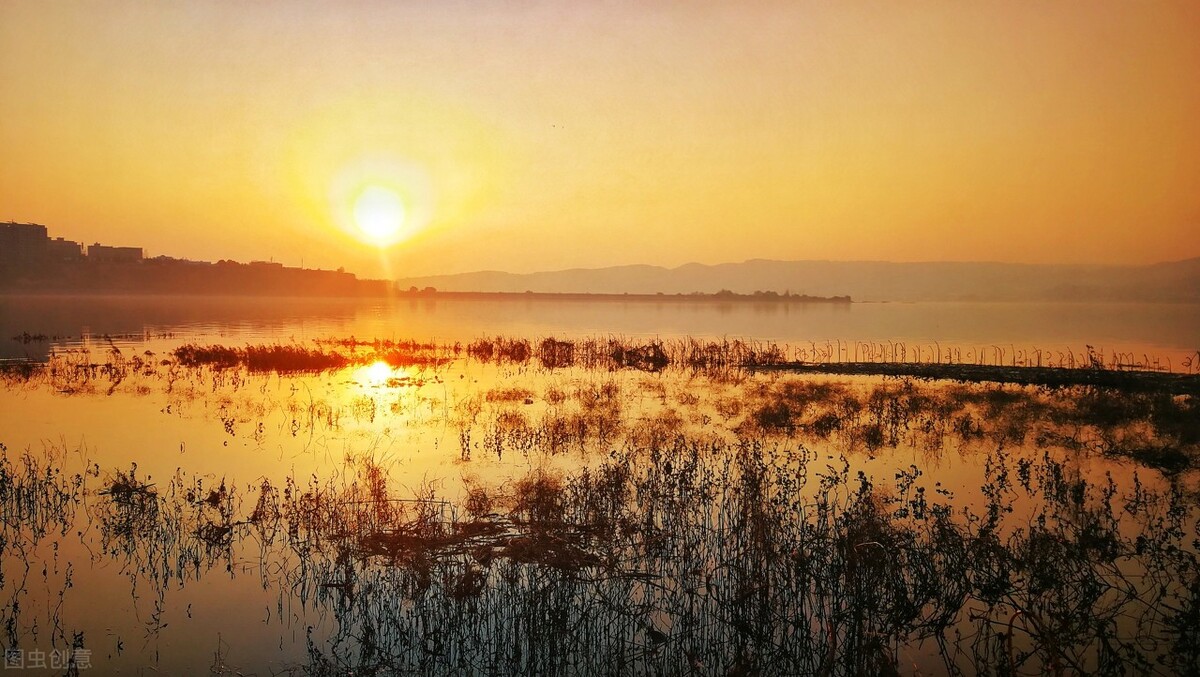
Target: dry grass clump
{"x": 511, "y": 430}
{"x": 796, "y": 404}
{"x": 290, "y": 359}
{"x": 500, "y": 349}
{"x": 649, "y": 357}
{"x": 592, "y": 396}
{"x": 549, "y": 549}
{"x": 555, "y": 354}
{"x": 581, "y": 416}
{"x": 36, "y": 497}
{"x": 260, "y": 358}
{"x": 555, "y": 395}
{"x": 725, "y": 354}
{"x": 1160, "y": 430}
{"x": 478, "y": 502}
{"x": 20, "y": 371}
{"x": 728, "y": 407}
{"x": 126, "y": 489}
{"x": 657, "y": 431}
{"x": 538, "y": 498}
{"x": 396, "y": 353}
{"x": 513, "y": 394}
{"x": 364, "y": 520}
{"x": 610, "y": 353}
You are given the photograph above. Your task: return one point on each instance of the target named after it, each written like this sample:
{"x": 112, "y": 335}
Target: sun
{"x": 380, "y": 215}
{"x": 380, "y": 201}
{"x": 375, "y": 374}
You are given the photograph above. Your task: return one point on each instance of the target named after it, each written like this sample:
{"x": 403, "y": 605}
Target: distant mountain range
{"x": 1177, "y": 281}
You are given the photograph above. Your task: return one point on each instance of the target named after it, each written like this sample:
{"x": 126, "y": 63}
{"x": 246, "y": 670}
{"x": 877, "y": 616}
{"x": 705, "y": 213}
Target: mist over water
{"x": 1168, "y": 330}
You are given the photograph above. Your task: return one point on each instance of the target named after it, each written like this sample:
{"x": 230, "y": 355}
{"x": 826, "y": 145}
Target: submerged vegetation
{"x": 325, "y": 356}
{"x": 622, "y": 506}
{"x": 686, "y": 557}
{"x": 732, "y": 388}
{"x": 1054, "y": 377}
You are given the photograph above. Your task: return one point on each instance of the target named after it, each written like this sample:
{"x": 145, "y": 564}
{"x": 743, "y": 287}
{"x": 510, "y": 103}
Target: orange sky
{"x": 530, "y": 136}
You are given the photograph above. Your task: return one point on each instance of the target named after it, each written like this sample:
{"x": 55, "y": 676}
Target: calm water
{"x": 1168, "y": 331}
{"x": 383, "y": 519}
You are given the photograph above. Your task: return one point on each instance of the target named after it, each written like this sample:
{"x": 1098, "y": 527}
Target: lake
{"x": 272, "y": 486}
{"x": 1170, "y": 331}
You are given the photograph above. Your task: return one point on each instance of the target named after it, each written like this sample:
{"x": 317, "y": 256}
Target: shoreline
{"x": 1133, "y": 380}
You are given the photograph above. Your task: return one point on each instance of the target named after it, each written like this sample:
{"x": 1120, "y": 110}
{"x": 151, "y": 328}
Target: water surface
{"x": 472, "y": 515}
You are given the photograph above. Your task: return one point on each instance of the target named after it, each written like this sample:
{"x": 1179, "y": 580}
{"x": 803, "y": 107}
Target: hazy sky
{"x": 527, "y": 136}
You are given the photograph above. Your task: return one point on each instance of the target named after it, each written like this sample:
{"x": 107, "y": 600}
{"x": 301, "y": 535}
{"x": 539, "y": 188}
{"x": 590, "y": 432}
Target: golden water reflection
{"x": 470, "y": 441}
{"x": 380, "y": 373}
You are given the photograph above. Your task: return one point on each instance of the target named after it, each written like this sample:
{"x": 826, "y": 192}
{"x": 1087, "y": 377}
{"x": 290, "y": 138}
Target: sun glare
{"x": 376, "y": 374}
{"x": 379, "y": 214}
{"x": 380, "y": 201}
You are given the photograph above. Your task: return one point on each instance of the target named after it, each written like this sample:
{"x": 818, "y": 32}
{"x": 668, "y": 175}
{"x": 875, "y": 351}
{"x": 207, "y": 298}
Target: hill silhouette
{"x": 1177, "y": 281}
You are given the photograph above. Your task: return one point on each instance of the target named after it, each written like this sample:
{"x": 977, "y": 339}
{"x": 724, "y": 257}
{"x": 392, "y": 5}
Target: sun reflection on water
{"x": 380, "y": 374}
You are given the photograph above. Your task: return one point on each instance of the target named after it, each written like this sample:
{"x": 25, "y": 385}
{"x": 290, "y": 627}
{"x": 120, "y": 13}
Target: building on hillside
{"x": 60, "y": 249}
{"x": 99, "y": 253}
{"x": 22, "y": 242}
